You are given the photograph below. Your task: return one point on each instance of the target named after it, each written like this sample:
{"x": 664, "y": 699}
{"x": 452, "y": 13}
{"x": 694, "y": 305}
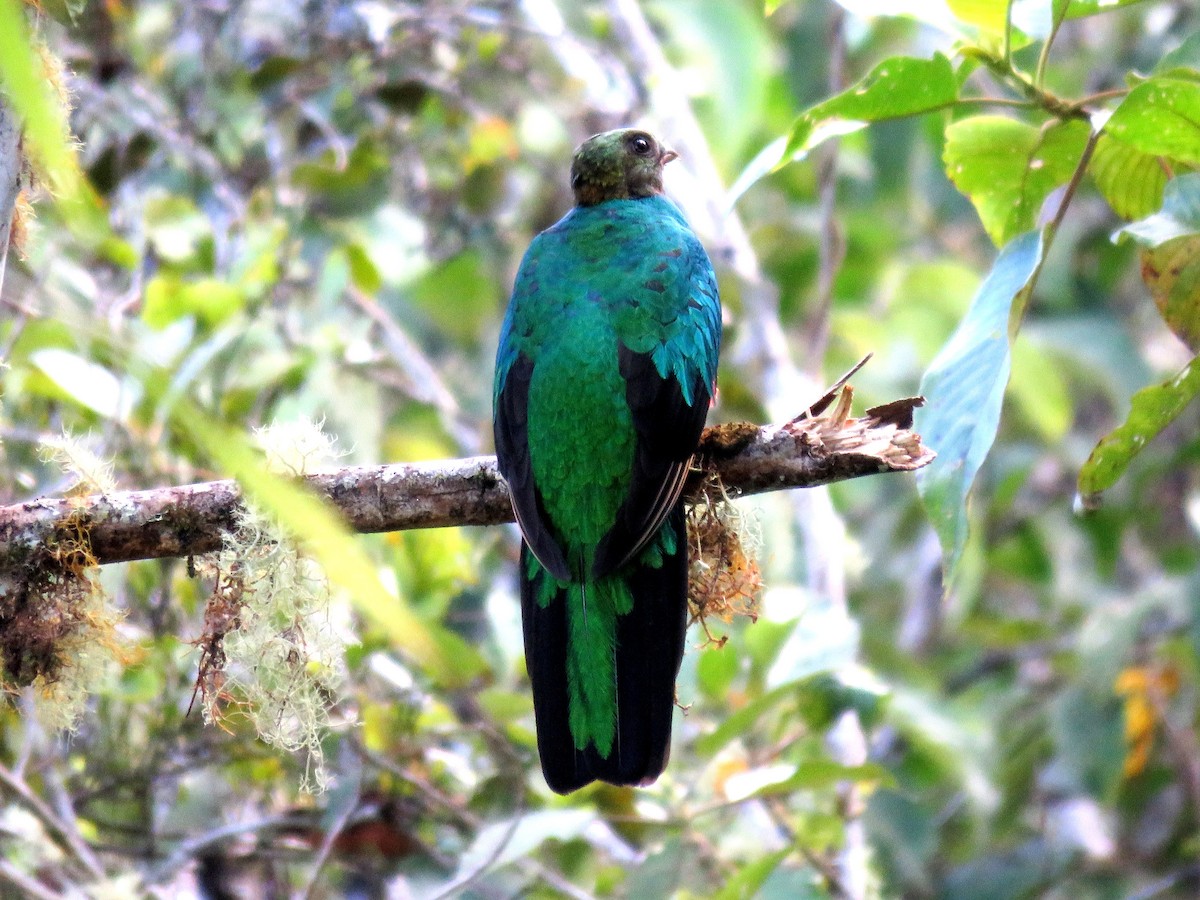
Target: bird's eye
{"x": 640, "y": 145}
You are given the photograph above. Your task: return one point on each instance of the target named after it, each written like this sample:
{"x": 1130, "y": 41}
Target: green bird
{"x": 605, "y": 372}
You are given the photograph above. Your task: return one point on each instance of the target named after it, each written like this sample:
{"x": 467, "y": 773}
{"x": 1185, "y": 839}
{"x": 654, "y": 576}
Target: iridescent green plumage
{"x": 606, "y": 367}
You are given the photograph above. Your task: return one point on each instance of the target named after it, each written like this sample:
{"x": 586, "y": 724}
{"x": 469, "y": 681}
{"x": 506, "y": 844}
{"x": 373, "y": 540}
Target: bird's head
{"x": 618, "y": 165}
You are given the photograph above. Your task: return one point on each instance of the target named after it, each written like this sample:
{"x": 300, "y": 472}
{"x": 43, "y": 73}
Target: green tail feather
{"x": 592, "y": 611}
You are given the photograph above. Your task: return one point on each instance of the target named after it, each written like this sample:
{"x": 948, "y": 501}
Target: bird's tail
{"x": 602, "y": 657}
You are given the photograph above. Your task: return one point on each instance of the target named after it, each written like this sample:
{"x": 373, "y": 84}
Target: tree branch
{"x": 193, "y": 519}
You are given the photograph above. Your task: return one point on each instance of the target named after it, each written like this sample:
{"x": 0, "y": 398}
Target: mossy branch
{"x": 193, "y": 519}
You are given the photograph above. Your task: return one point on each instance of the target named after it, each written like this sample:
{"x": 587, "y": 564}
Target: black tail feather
{"x": 649, "y": 651}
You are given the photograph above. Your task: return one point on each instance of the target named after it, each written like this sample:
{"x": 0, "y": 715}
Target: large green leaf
{"x": 1007, "y": 168}
{"x": 1160, "y": 117}
{"x": 1131, "y": 181}
{"x": 964, "y": 391}
{"x": 1152, "y": 409}
{"x": 897, "y": 87}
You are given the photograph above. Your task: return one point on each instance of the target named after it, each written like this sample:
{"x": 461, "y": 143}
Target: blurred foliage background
{"x": 315, "y": 210}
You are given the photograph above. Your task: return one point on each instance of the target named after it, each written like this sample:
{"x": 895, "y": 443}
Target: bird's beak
{"x": 667, "y": 156}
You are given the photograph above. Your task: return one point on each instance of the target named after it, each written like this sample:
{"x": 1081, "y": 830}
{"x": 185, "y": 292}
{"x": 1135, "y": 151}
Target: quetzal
{"x": 606, "y": 369}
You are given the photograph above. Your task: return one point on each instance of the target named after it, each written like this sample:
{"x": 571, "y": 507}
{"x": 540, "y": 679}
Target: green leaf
{"x": 897, "y": 87}
{"x": 750, "y": 877}
{"x": 1160, "y": 117}
{"x": 741, "y": 721}
{"x": 47, "y": 139}
{"x": 660, "y": 872}
{"x": 1151, "y": 410}
{"x": 715, "y": 670}
{"x": 1131, "y": 181}
{"x": 964, "y": 391}
{"x": 459, "y": 295}
{"x": 1039, "y": 393}
{"x": 1008, "y": 168}
{"x": 169, "y": 297}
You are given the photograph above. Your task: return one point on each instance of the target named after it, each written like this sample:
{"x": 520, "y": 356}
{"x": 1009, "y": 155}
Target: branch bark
{"x": 193, "y": 519}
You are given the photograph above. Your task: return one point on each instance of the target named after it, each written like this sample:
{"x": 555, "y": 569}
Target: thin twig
{"x": 428, "y": 791}
{"x": 62, "y": 831}
{"x": 186, "y": 850}
{"x": 26, "y": 886}
{"x": 459, "y": 885}
{"x": 1058, "y": 15}
{"x": 332, "y": 833}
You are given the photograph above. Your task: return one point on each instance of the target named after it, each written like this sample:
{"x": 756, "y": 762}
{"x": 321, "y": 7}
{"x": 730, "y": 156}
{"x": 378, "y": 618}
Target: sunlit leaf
{"x": 169, "y": 297}
{"x": 1151, "y": 410}
{"x": 1008, "y": 168}
{"x": 87, "y": 383}
{"x": 987, "y": 14}
{"x": 1160, "y": 117}
{"x": 899, "y": 86}
{"x": 964, "y": 391}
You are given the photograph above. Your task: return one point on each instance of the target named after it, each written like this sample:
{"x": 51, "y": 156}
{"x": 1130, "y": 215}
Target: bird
{"x": 605, "y": 371}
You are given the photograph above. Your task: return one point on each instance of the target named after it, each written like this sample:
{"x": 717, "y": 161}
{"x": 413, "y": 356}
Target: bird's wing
{"x": 668, "y": 386}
